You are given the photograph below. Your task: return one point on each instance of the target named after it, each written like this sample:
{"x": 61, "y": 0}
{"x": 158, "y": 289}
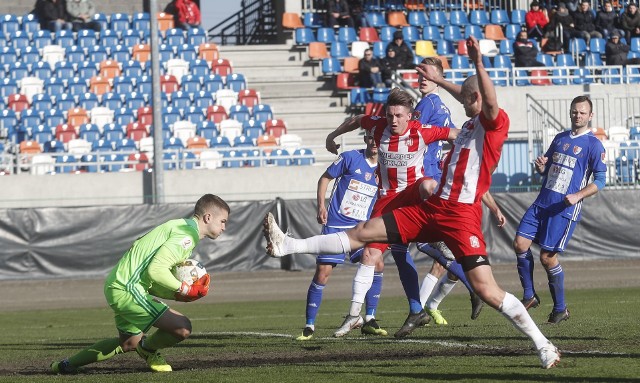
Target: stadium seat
{"x": 262, "y": 113}
{"x": 410, "y": 34}
{"x": 358, "y": 48}
{"x": 452, "y": 33}
{"x": 19, "y": 40}
{"x": 30, "y": 24}
{"x": 54, "y": 146}
{"x": 208, "y": 52}
{"x": 275, "y": 127}
{"x": 194, "y": 114}
{"x": 375, "y": 19}
{"x": 17, "y": 71}
{"x": 500, "y": 17}
{"x": 291, "y": 20}
{"x": 417, "y": 19}
{"x": 222, "y": 67}
{"x": 252, "y": 129}
{"x": 31, "y": 55}
{"x": 397, "y": 19}
{"x": 42, "y": 134}
{"x": 53, "y": 117}
{"x": 64, "y": 39}
{"x": 99, "y": 85}
{"x": 119, "y": 22}
{"x": 478, "y": 17}
{"x": 41, "y": 102}
{"x": 78, "y": 146}
{"x": 86, "y": 38}
{"x": 518, "y": 16}
{"x": 207, "y": 130}
{"x": 511, "y": 31}
{"x": 182, "y": 131}
{"x": 303, "y": 156}
{"x": 17, "y": 102}
{"x": 458, "y": 18}
{"x": 473, "y": 30}
{"x": 368, "y": 34}
{"x": 141, "y": 53}
{"x": 386, "y": 33}
{"x": 303, "y": 36}
{"x": 499, "y": 182}
{"x": 65, "y": 133}
{"x": 494, "y": 32}
{"x": 109, "y": 69}
{"x": 217, "y": 113}
{"x": 279, "y": 157}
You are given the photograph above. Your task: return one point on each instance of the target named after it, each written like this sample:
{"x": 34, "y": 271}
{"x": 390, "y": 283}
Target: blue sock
{"x": 314, "y": 298}
{"x": 525, "y": 271}
{"x": 454, "y": 267}
{"x": 373, "y": 295}
{"x": 408, "y": 276}
{"x": 556, "y": 286}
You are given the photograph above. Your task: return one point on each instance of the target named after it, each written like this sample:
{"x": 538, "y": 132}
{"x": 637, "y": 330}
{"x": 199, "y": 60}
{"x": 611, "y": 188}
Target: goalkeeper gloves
{"x": 190, "y": 293}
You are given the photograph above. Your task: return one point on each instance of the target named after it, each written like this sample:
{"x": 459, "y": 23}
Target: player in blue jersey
{"x": 566, "y": 167}
{"x": 354, "y": 192}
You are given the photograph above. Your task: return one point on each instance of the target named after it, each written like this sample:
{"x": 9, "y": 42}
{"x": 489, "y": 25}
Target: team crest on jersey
{"x": 186, "y": 243}
{"x": 474, "y": 241}
{"x": 367, "y": 176}
{"x": 415, "y": 115}
{"x": 409, "y": 141}
{"x": 565, "y": 147}
{"x": 603, "y": 157}
{"x": 576, "y": 150}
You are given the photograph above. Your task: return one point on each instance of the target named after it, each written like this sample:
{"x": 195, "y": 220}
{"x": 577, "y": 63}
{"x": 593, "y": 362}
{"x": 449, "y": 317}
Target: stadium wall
{"x": 20, "y": 7}
{"x": 88, "y": 241}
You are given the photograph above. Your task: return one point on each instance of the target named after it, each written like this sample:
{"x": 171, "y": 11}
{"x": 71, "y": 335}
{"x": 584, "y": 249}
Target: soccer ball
{"x": 189, "y": 271}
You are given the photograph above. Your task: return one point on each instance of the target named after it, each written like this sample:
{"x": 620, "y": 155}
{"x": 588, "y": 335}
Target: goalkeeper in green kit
{"x": 145, "y": 271}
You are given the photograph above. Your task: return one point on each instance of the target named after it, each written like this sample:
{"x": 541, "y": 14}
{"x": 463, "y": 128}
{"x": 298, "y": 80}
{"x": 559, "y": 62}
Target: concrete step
{"x": 308, "y": 104}
{"x": 291, "y": 88}
{"x": 263, "y": 55}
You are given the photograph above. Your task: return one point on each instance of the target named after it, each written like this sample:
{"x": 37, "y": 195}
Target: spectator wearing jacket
{"x": 630, "y": 22}
{"x": 536, "y": 19}
{"x": 585, "y": 21}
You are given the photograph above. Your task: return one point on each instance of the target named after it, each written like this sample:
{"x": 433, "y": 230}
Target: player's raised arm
{"x": 485, "y": 85}
{"x": 431, "y": 73}
{"x": 348, "y": 125}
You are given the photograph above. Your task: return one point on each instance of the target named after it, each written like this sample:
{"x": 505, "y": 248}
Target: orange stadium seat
{"x": 494, "y": 32}
{"x": 110, "y": 69}
{"x": 99, "y": 85}
{"x": 165, "y": 21}
{"x": 141, "y": 52}
{"x": 345, "y": 81}
{"x": 397, "y": 19}
{"x": 208, "y": 52}
{"x": 350, "y": 64}
{"x": 30, "y": 147}
{"x": 77, "y": 117}
{"x": 291, "y": 20}
{"x": 197, "y": 144}
{"x": 318, "y": 51}
{"x": 266, "y": 140}
{"x": 600, "y": 133}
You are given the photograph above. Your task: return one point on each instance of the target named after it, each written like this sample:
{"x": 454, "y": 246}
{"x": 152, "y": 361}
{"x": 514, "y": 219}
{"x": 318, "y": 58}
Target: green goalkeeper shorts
{"x": 135, "y": 311}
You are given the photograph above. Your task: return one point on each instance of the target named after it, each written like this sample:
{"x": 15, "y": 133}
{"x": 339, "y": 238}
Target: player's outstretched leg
{"x": 102, "y": 350}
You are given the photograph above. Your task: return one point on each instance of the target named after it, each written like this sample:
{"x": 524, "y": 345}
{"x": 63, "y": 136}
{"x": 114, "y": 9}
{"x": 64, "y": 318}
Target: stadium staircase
{"x": 292, "y": 87}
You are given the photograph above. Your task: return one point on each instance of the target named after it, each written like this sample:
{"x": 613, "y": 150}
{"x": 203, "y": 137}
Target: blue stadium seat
{"x": 130, "y": 38}
{"x": 65, "y": 101}
{"x": 166, "y": 52}
{"x": 242, "y": 140}
{"x": 379, "y": 49}
{"x": 135, "y": 100}
{"x": 578, "y": 47}
{"x": 18, "y": 70}
{"x": 438, "y": 18}
{"x": 43, "y": 135}
{"x": 593, "y": 59}
{"x": 141, "y": 22}
{"x": 207, "y": 130}
{"x": 187, "y": 52}
{"x": 304, "y": 36}
{"x": 112, "y": 162}
{"x": 560, "y": 76}
{"x": 86, "y": 70}
{"x": 458, "y": 18}
{"x": 64, "y": 38}
{"x": 123, "y": 116}
{"x": 30, "y": 24}
{"x": 41, "y": 102}
{"x": 220, "y": 142}
{"x": 64, "y": 70}
{"x": 597, "y": 45}
{"x": 262, "y": 113}
{"x": 331, "y": 66}
{"x": 132, "y": 69}
{"x": 109, "y": 38}
{"x": 196, "y": 36}
{"x": 174, "y": 37}
{"x": 180, "y": 100}
{"x": 89, "y": 163}
{"x": 582, "y": 76}
{"x": 8, "y": 87}
{"x": 418, "y": 19}
{"x": 75, "y": 54}
{"x": 386, "y": 33}
{"x": 30, "y": 118}
{"x": 339, "y": 50}
{"x": 88, "y": 100}
{"x": 30, "y": 55}
{"x": 452, "y": 33}
{"x": 97, "y": 53}
{"x": 66, "y": 164}
{"x": 375, "y": 19}
{"x": 506, "y": 47}
{"x": 236, "y": 82}
{"x": 611, "y": 76}
{"x": 119, "y": 22}
{"x": 303, "y": 156}
{"x": 473, "y": 30}
{"x": 431, "y": 33}
{"x": 111, "y": 133}
{"x": 499, "y": 182}
{"x": 3, "y": 40}
{"x": 203, "y": 99}
{"x": 200, "y": 68}
{"x": 239, "y": 113}
{"x": 194, "y": 114}
{"x": 479, "y": 17}
{"x": 42, "y": 38}
{"x": 380, "y": 95}
{"x": 445, "y": 48}
{"x": 8, "y": 121}
{"x": 19, "y": 40}
{"x": 279, "y": 157}
{"x": 112, "y": 101}
{"x": 125, "y": 145}
{"x": 190, "y": 84}
{"x": 144, "y": 85}
{"x": 411, "y": 34}
{"x": 54, "y": 117}
{"x": 313, "y": 20}
{"x": 87, "y": 38}
{"x": 213, "y": 82}
{"x": 252, "y": 128}
{"x": 546, "y": 59}
{"x": 170, "y": 115}
{"x": 8, "y": 55}
{"x": 53, "y": 146}
{"x": 518, "y": 16}
{"x": 511, "y": 31}
{"x": 565, "y": 59}
{"x": 347, "y": 35}
{"x": 123, "y": 85}
{"x": 90, "y": 132}
{"x": 325, "y": 35}
{"x": 233, "y": 159}
{"x": 500, "y": 17}
{"x": 634, "y": 44}
{"x": 41, "y": 69}
{"x": 101, "y": 19}
{"x": 173, "y": 143}
{"x": 120, "y": 53}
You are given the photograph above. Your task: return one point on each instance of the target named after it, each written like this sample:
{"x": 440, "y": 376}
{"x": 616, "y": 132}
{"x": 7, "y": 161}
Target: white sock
{"x": 362, "y": 282}
{"x": 441, "y": 291}
{"x": 336, "y": 243}
{"x": 367, "y": 318}
{"x": 514, "y": 310}
{"x": 428, "y": 283}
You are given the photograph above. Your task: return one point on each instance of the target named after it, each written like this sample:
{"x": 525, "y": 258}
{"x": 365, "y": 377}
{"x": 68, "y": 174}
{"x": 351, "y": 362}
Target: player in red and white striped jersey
{"x": 454, "y": 214}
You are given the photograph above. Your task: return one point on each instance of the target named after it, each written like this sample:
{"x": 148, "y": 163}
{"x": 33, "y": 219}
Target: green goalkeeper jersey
{"x": 148, "y": 263}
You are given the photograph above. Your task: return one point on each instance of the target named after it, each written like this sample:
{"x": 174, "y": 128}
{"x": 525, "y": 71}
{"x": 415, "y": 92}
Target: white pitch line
{"x": 390, "y": 340}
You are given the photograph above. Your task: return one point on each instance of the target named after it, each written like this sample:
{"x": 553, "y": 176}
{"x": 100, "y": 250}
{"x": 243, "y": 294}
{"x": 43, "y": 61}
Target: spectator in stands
{"x": 607, "y": 20}
{"x": 53, "y": 15}
{"x": 81, "y": 14}
{"x": 616, "y": 52}
{"x": 536, "y": 19}
{"x": 573, "y": 5}
{"x": 390, "y": 64}
{"x": 370, "y": 71}
{"x": 338, "y": 14}
{"x": 525, "y": 51}
{"x": 403, "y": 52}
{"x": 357, "y": 13}
{"x": 186, "y": 13}
{"x": 585, "y": 21}
{"x": 630, "y": 22}
{"x": 562, "y": 26}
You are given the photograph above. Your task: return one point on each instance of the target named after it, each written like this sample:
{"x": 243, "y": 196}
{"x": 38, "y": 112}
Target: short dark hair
{"x": 398, "y": 97}
{"x": 209, "y": 201}
{"x": 580, "y": 99}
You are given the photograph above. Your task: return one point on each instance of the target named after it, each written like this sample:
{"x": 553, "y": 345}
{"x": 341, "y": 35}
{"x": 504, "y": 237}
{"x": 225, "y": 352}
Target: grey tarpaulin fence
{"x": 88, "y": 241}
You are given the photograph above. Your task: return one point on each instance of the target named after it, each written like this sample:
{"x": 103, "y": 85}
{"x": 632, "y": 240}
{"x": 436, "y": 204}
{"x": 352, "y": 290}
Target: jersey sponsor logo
{"x": 563, "y": 159}
{"x": 576, "y": 150}
{"x": 474, "y": 241}
{"x": 337, "y": 161}
{"x": 361, "y": 187}
{"x": 565, "y": 147}
{"x": 186, "y": 243}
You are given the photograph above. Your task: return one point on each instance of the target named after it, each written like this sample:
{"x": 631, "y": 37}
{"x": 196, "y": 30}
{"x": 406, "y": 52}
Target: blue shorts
{"x": 337, "y": 259}
{"x": 551, "y": 231}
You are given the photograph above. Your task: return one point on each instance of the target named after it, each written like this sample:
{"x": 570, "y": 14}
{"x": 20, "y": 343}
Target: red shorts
{"x": 388, "y": 203}
{"x": 457, "y": 224}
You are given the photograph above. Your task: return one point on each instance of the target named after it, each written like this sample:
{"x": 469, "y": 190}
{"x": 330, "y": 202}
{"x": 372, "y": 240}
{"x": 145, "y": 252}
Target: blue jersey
{"x": 570, "y": 162}
{"x": 354, "y": 190}
{"x": 432, "y": 111}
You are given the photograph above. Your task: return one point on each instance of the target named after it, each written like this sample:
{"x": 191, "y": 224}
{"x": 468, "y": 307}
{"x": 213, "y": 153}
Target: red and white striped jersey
{"x": 401, "y": 157}
{"x": 467, "y": 169}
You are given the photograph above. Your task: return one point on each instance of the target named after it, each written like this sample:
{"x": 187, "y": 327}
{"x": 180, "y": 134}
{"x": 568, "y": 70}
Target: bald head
{"x": 471, "y": 98}
{"x": 470, "y": 85}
